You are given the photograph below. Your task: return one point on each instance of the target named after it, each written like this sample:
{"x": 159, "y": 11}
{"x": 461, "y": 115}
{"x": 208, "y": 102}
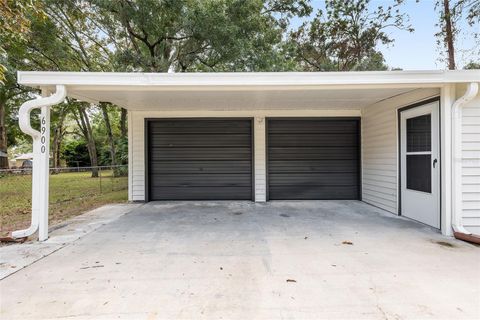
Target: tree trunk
{"x": 111, "y": 141}
{"x": 3, "y": 137}
{"x": 84, "y": 124}
{"x": 58, "y": 138}
{"x": 449, "y": 36}
{"x": 123, "y": 123}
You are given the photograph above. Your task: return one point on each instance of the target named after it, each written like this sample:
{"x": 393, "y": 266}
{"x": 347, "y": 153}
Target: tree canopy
{"x": 346, "y": 36}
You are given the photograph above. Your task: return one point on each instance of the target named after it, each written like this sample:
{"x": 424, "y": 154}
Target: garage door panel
{"x": 207, "y": 166}
{"x": 312, "y": 126}
{"x": 182, "y": 127}
{"x": 313, "y": 166}
{"x": 240, "y": 153}
{"x": 301, "y": 192}
{"x": 200, "y": 159}
{"x": 202, "y": 193}
{"x": 200, "y": 140}
{"x": 201, "y": 179}
{"x": 313, "y": 140}
{"x": 312, "y": 153}
{"x": 313, "y": 158}
{"x": 318, "y": 179}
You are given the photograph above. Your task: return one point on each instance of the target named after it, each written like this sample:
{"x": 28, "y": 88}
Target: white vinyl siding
{"x": 260, "y": 160}
{"x": 471, "y": 164}
{"x": 137, "y": 159}
{"x": 380, "y": 148}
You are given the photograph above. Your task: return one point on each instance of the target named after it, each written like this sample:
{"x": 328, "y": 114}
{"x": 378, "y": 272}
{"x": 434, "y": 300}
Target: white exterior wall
{"x": 136, "y": 135}
{"x": 380, "y": 148}
{"x": 260, "y": 165}
{"x": 471, "y": 163}
{"x": 136, "y": 169}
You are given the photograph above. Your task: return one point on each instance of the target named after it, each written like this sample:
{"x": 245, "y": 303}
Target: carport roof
{"x": 144, "y": 91}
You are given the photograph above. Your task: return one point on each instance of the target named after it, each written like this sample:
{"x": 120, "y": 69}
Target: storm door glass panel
{"x": 419, "y": 133}
{"x": 419, "y": 175}
{"x": 419, "y": 155}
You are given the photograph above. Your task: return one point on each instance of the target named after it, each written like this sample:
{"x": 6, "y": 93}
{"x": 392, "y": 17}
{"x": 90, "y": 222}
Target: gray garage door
{"x": 208, "y": 159}
{"x": 313, "y": 158}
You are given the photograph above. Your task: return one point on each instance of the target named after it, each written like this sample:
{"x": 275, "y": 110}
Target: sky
{"x": 417, "y": 50}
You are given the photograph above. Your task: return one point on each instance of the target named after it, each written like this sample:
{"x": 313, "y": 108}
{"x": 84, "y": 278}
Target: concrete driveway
{"x": 241, "y": 260}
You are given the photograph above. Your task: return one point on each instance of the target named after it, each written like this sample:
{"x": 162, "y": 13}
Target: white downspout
{"x": 40, "y": 166}
{"x": 470, "y": 93}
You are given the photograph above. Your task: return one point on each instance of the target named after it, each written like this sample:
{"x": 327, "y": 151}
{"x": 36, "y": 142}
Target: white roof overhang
{"x": 147, "y": 91}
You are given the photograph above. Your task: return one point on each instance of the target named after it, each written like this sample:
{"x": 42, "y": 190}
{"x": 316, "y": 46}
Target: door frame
{"x": 359, "y": 139}
{"x": 399, "y": 153}
{"x": 146, "y": 148}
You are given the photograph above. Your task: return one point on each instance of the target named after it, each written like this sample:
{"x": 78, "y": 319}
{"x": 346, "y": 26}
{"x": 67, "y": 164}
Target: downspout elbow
{"x": 25, "y": 125}
{"x": 470, "y": 94}
{"x": 27, "y": 108}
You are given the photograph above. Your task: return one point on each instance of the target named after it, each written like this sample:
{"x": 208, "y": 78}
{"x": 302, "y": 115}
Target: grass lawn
{"x": 71, "y": 194}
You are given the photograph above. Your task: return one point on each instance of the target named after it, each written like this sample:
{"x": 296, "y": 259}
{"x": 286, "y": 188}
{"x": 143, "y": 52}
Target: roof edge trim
{"x": 45, "y": 78}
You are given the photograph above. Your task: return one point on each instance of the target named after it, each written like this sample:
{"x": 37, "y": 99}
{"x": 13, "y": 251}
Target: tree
{"x": 41, "y": 46}
{"x": 76, "y": 153}
{"x": 15, "y": 17}
{"x": 111, "y": 140}
{"x": 123, "y": 123}
{"x": 449, "y": 34}
{"x": 15, "y": 25}
{"x": 72, "y": 26}
{"x": 59, "y": 131}
{"x": 345, "y": 36}
{"x": 472, "y": 66}
{"x": 83, "y": 122}
{"x": 9, "y": 92}
{"x": 188, "y": 35}
{"x": 451, "y": 13}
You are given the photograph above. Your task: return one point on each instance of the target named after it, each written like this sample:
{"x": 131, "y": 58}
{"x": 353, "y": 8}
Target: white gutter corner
{"x": 470, "y": 93}
{"x": 40, "y": 167}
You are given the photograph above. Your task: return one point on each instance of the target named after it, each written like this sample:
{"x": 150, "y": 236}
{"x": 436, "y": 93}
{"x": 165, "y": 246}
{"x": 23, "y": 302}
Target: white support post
{"x": 447, "y": 99}
{"x": 41, "y": 166}
{"x": 44, "y": 160}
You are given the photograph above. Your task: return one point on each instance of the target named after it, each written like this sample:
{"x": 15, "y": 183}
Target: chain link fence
{"x": 73, "y": 190}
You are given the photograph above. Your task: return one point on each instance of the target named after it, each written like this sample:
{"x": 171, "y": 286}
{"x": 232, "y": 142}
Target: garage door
{"x": 199, "y": 159}
{"x": 313, "y": 158}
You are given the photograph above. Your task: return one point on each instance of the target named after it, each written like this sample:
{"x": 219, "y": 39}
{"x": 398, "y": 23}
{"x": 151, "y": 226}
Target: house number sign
{"x": 43, "y": 138}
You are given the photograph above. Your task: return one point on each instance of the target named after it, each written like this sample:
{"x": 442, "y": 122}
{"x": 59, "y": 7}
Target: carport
{"x": 396, "y": 140}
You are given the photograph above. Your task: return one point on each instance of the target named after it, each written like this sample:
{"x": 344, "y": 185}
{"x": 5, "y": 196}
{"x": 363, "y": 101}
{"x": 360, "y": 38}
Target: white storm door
{"x": 420, "y": 164}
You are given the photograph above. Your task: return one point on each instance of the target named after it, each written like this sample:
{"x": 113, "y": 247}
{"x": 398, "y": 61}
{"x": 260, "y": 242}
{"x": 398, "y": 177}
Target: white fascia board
{"x": 246, "y": 79}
